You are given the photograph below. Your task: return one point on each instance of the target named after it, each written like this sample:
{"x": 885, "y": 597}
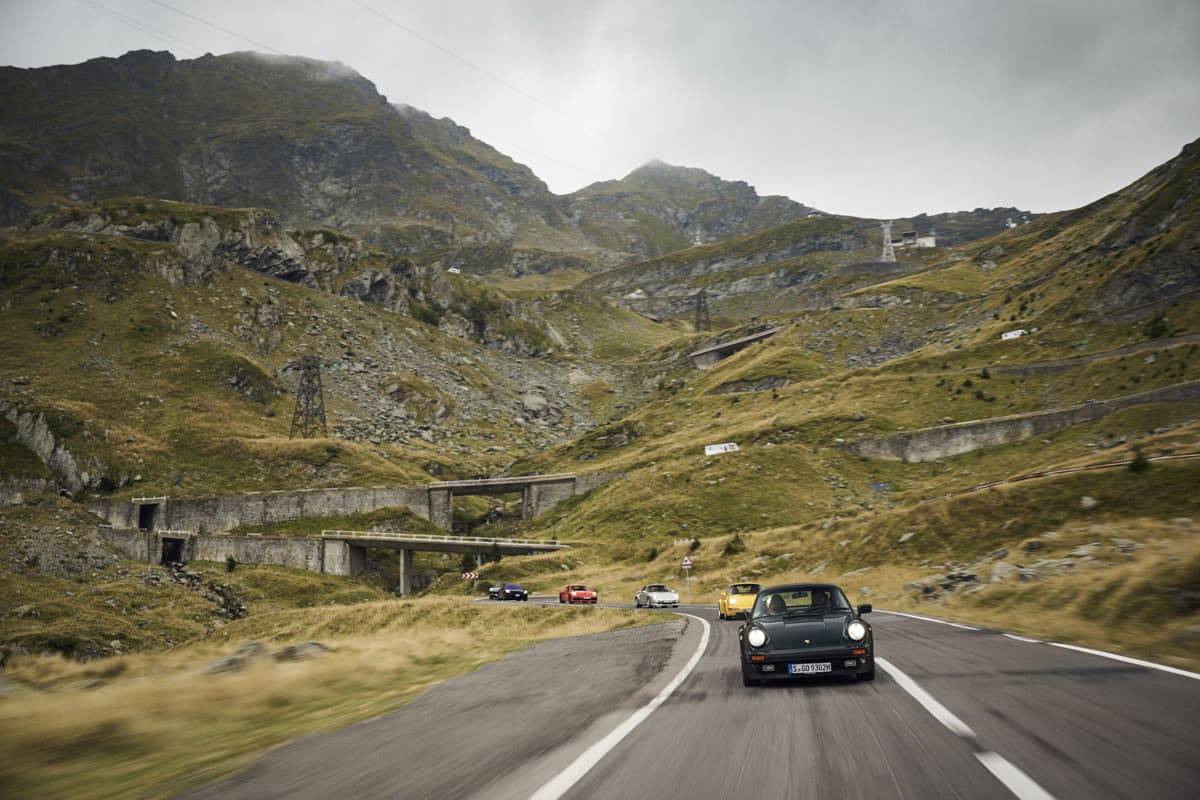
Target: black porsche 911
{"x": 805, "y": 629}
{"x": 512, "y": 591}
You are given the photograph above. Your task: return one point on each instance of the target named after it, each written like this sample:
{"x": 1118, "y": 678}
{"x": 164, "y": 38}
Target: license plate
{"x": 808, "y": 669}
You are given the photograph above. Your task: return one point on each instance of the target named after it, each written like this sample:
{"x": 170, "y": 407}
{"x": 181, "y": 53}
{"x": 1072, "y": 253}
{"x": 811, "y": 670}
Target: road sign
{"x": 470, "y": 576}
{"x": 717, "y": 449}
{"x": 687, "y": 562}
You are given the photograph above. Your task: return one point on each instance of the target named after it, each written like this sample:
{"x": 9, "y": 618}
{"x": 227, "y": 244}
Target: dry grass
{"x": 154, "y": 724}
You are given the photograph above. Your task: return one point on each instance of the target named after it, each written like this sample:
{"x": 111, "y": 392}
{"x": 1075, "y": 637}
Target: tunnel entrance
{"x": 147, "y": 513}
{"x": 172, "y": 551}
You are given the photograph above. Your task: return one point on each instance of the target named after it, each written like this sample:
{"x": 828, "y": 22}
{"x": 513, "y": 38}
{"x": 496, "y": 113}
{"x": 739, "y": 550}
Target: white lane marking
{"x": 1011, "y": 776}
{"x": 1008, "y": 773}
{"x": 1139, "y": 662}
{"x": 1022, "y": 638}
{"x": 560, "y": 784}
{"x": 939, "y": 711}
{"x": 928, "y": 619}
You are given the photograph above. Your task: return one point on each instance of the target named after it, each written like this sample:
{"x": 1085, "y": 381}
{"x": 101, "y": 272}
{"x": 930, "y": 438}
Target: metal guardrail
{"x": 415, "y": 537}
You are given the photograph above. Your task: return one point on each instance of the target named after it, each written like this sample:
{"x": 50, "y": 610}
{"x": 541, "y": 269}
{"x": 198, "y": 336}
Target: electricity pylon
{"x": 703, "y": 318}
{"x": 309, "y": 417}
{"x": 889, "y": 252}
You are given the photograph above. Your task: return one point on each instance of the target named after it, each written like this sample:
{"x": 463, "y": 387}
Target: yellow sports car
{"x": 737, "y": 600}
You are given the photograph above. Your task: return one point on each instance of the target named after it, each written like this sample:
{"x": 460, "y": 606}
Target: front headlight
{"x": 856, "y": 631}
{"x": 757, "y": 637}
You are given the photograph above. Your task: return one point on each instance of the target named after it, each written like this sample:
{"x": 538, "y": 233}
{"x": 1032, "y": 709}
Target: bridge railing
{"x": 419, "y": 537}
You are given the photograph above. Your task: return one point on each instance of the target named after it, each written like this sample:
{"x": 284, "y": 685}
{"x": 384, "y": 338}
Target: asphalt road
{"x": 955, "y": 712}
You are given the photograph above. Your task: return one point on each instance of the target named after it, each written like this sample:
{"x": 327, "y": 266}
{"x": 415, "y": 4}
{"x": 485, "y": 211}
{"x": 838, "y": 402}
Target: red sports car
{"x": 577, "y": 593}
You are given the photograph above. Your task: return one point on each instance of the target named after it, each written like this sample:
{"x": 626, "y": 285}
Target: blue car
{"x": 511, "y": 591}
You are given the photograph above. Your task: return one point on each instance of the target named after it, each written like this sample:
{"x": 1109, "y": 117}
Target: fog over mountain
{"x": 881, "y": 109}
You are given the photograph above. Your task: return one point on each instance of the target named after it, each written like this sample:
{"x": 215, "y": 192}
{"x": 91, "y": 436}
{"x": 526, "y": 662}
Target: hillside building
{"x": 914, "y": 239}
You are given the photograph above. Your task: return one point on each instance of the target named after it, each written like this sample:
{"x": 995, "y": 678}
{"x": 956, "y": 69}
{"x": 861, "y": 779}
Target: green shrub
{"x": 734, "y": 546}
{"x": 231, "y": 563}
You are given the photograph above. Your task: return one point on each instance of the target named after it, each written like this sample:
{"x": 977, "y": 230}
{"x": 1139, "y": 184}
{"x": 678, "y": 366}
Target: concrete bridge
{"x": 706, "y": 357}
{"x": 433, "y": 501}
{"x": 345, "y": 552}
{"x": 333, "y": 552}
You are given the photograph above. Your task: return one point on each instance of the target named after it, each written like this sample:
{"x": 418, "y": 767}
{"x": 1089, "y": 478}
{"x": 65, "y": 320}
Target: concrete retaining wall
{"x": 283, "y": 551}
{"x": 930, "y": 444}
{"x": 214, "y": 514}
{"x": 298, "y": 552}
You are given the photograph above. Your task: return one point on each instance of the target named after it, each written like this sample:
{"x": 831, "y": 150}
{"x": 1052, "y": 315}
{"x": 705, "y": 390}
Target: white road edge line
{"x": 1139, "y": 662}
{"x": 561, "y": 783}
{"x": 1011, "y": 776}
{"x": 928, "y": 701}
{"x": 927, "y": 619}
{"x": 1102, "y": 653}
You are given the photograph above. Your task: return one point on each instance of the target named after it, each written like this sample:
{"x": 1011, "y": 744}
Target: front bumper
{"x": 663, "y": 604}
{"x": 581, "y": 600}
{"x": 514, "y": 597}
{"x": 844, "y": 661}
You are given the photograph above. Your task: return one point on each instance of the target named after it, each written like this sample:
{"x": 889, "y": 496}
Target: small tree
{"x": 694, "y": 546}
{"x": 652, "y": 554}
{"x": 468, "y": 562}
{"x": 1157, "y": 327}
{"x": 496, "y": 552}
{"x": 1140, "y": 463}
{"x": 734, "y": 545}
{"x": 231, "y": 563}
{"x": 983, "y": 373}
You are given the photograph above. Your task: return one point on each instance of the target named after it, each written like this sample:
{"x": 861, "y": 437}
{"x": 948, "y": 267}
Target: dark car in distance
{"x": 512, "y": 591}
{"x": 805, "y": 629}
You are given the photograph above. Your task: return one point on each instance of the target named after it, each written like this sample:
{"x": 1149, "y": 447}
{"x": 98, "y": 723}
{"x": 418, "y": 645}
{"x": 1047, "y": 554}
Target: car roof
{"x": 784, "y": 587}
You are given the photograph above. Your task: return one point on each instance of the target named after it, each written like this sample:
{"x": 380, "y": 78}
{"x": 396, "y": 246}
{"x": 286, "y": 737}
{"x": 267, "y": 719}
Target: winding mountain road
{"x": 660, "y": 712}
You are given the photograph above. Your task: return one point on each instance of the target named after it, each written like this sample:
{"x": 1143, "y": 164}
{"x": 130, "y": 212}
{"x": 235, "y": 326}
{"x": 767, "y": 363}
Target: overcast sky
{"x": 869, "y": 108}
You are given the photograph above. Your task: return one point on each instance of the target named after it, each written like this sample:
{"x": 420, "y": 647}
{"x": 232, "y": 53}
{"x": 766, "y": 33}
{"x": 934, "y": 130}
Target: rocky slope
{"x": 317, "y": 144}
{"x": 660, "y": 207}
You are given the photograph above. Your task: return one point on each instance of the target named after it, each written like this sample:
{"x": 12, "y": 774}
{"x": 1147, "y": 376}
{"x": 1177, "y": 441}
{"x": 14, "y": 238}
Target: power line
{"x": 161, "y": 35}
{"x": 218, "y": 27}
{"x": 483, "y": 71}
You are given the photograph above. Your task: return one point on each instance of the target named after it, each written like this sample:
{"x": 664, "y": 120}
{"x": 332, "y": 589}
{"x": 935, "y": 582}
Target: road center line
{"x": 1139, "y": 662}
{"x": 927, "y": 619}
{"x": 928, "y": 701}
{"x": 1008, "y": 773}
{"x": 561, "y": 783}
{"x": 1011, "y": 776}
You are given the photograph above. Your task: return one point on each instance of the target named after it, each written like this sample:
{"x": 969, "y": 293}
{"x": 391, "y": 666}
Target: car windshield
{"x": 799, "y": 600}
{"x": 744, "y": 588}
{"x": 578, "y": 588}
{"x": 657, "y": 587}
{"x": 512, "y": 586}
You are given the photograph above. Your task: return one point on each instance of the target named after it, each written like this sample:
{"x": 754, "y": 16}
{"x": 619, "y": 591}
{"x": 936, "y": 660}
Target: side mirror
{"x": 865, "y": 608}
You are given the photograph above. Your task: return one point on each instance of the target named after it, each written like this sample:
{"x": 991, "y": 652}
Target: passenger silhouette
{"x": 776, "y": 605}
